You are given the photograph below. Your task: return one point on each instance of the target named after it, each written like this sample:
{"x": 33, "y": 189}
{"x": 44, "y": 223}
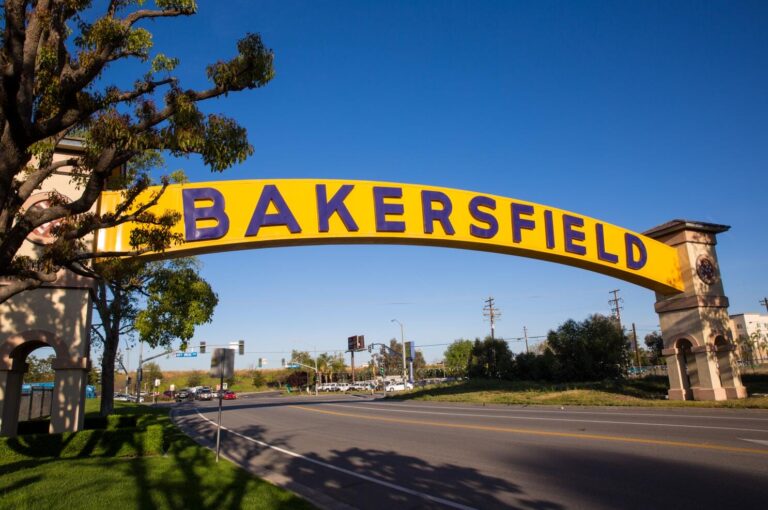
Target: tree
{"x": 257, "y": 379}
{"x": 655, "y": 344}
{"x": 392, "y": 358}
{"x": 56, "y": 83}
{"x": 195, "y": 379}
{"x": 40, "y": 369}
{"x": 151, "y": 372}
{"x": 457, "y": 357}
{"x": 176, "y": 298}
{"x": 490, "y": 358}
{"x": 590, "y": 350}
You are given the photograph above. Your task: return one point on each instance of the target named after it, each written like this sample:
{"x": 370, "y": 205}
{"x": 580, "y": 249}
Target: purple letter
{"x": 631, "y": 241}
{"x": 549, "y": 229}
{"x": 326, "y": 208}
{"x": 572, "y": 235}
{"x": 518, "y": 224}
{"x": 214, "y": 212}
{"x": 382, "y": 209}
{"x": 441, "y": 215}
{"x": 601, "y": 253}
{"x": 283, "y": 216}
{"x": 474, "y": 209}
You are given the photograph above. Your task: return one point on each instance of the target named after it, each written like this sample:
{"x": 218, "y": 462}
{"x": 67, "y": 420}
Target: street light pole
{"x": 402, "y": 341}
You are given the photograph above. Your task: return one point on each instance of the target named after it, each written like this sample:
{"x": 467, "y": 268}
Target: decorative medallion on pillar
{"x": 698, "y": 343}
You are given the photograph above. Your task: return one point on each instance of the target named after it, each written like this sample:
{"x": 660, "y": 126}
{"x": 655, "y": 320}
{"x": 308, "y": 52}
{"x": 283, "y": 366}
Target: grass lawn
{"x": 648, "y": 391}
{"x": 147, "y": 464}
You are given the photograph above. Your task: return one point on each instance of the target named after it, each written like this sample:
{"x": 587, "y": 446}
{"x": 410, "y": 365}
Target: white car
{"x": 399, "y": 386}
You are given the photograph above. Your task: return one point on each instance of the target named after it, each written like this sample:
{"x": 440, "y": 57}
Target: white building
{"x": 750, "y": 332}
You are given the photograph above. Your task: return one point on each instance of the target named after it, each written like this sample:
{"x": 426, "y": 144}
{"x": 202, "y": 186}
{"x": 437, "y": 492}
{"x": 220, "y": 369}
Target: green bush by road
{"x": 648, "y": 391}
{"x": 139, "y": 461}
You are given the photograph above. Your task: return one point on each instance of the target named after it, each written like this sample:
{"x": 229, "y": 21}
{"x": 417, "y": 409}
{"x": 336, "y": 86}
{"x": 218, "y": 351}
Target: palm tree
{"x": 322, "y": 365}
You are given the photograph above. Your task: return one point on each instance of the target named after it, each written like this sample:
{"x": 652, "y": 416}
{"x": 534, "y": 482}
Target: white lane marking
{"x": 758, "y": 441}
{"x": 342, "y": 470}
{"x": 539, "y": 418}
{"x": 571, "y": 411}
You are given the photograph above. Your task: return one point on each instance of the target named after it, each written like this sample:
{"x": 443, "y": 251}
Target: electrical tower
{"x": 616, "y": 307}
{"x": 492, "y": 313}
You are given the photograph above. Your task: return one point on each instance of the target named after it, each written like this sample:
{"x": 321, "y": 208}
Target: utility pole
{"x": 764, "y": 302}
{"x": 492, "y": 313}
{"x": 637, "y": 351}
{"x": 525, "y": 334}
{"x": 616, "y": 307}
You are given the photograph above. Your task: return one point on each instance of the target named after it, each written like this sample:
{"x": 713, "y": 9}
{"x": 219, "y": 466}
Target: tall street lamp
{"x": 402, "y": 341}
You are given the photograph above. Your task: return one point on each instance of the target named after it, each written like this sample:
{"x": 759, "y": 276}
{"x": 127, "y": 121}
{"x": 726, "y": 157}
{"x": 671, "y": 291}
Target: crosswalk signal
{"x": 202, "y": 347}
{"x": 241, "y": 347}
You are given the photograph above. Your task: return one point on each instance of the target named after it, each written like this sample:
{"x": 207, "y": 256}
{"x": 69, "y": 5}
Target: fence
{"x": 35, "y": 404}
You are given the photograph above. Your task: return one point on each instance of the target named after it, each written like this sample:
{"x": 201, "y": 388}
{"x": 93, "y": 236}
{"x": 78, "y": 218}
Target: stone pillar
{"x": 10, "y": 400}
{"x": 730, "y": 379}
{"x": 68, "y": 405}
{"x": 678, "y": 381}
{"x": 709, "y": 386}
{"x": 699, "y": 314}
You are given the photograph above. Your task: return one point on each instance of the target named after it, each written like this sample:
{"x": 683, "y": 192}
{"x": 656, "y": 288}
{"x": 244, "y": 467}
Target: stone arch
{"x": 70, "y": 367}
{"x": 17, "y": 347}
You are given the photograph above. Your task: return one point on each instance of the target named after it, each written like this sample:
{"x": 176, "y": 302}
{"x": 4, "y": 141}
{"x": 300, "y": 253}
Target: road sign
{"x": 186, "y": 355}
{"x": 223, "y": 363}
{"x": 224, "y": 386}
{"x": 293, "y": 365}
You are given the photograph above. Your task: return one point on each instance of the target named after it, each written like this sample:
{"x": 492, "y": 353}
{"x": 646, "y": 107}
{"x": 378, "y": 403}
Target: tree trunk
{"x": 108, "y": 375}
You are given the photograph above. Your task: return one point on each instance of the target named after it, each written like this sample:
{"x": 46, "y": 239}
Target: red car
{"x": 229, "y": 395}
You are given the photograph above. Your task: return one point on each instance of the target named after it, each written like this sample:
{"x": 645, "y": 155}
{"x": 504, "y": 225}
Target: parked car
{"x": 399, "y": 386}
{"x": 182, "y": 395}
{"x": 168, "y": 393}
{"x": 229, "y": 395}
{"x": 204, "y": 395}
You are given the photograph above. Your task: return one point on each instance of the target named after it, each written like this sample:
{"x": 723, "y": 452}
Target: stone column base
{"x": 679, "y": 394}
{"x": 737, "y": 392}
{"x": 709, "y": 394}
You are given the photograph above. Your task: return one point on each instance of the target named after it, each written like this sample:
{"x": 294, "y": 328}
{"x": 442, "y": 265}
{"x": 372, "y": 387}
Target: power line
{"x": 492, "y": 313}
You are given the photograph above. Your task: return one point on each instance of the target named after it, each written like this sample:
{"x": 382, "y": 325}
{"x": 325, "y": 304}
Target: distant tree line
{"x": 593, "y": 349}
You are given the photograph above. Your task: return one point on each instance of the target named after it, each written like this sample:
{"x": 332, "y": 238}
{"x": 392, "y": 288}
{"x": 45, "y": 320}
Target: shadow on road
{"x": 600, "y": 479}
{"x": 367, "y": 478}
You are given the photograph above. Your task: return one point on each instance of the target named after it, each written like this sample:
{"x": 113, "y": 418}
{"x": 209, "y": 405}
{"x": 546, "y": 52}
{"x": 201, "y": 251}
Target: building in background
{"x": 750, "y": 332}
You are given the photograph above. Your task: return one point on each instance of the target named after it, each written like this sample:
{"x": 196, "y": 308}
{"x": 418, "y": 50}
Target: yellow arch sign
{"x": 232, "y": 215}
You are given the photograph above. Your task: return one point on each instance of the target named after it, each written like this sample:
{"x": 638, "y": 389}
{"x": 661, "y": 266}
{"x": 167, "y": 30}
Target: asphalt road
{"x": 343, "y": 451}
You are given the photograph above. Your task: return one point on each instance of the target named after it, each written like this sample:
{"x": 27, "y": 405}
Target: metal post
{"x": 402, "y": 342}
{"x": 139, "y": 373}
{"x": 221, "y": 394}
{"x": 637, "y": 350}
{"x": 315, "y": 371}
{"x": 525, "y": 333}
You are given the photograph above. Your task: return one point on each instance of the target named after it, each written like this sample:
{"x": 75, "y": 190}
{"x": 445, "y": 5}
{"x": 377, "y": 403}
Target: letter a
{"x": 283, "y": 216}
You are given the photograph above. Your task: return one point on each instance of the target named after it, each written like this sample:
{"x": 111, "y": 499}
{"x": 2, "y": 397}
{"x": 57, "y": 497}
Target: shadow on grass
{"x": 151, "y": 465}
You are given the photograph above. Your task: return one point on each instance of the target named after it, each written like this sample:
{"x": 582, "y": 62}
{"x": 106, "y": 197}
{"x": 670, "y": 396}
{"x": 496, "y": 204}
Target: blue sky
{"x": 634, "y": 113}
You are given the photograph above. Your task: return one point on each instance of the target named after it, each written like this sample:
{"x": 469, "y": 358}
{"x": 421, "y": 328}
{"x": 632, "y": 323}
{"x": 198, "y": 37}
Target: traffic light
{"x": 283, "y": 362}
{"x": 241, "y": 347}
{"x": 202, "y": 347}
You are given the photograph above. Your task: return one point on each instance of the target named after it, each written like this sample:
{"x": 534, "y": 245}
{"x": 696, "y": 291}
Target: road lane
{"x": 375, "y": 454}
